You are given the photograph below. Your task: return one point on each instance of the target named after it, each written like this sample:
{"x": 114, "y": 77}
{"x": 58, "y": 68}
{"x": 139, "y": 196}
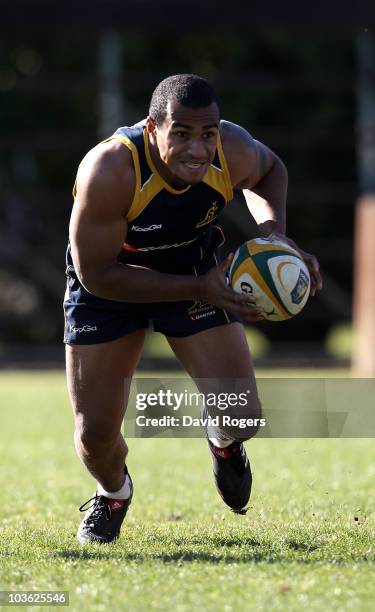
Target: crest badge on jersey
{"x": 210, "y": 215}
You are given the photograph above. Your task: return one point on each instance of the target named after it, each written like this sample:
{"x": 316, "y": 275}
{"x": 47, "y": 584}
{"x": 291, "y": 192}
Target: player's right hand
{"x": 215, "y": 290}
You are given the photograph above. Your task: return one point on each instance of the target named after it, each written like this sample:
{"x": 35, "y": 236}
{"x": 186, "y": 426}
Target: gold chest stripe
{"x": 133, "y": 149}
{"x": 219, "y": 179}
{"x": 215, "y": 179}
{"x": 147, "y": 193}
{"x": 224, "y": 166}
{"x": 143, "y": 193}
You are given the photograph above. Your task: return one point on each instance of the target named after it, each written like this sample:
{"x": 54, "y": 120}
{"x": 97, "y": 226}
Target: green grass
{"x": 299, "y": 547}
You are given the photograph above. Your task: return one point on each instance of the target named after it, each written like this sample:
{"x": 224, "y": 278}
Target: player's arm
{"x": 255, "y": 169}
{"x": 98, "y": 228}
{"x": 263, "y": 178}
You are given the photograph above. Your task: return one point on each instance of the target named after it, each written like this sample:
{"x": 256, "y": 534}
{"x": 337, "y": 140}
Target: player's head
{"x": 183, "y": 125}
{"x": 188, "y": 90}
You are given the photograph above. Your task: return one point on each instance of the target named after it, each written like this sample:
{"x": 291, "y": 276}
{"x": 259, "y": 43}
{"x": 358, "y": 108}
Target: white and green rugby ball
{"x": 275, "y": 274}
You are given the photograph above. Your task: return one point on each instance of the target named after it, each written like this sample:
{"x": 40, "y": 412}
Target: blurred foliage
{"x": 340, "y": 341}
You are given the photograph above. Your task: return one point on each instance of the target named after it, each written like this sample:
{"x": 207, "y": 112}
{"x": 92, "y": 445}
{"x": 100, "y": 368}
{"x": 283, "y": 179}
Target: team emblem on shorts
{"x": 201, "y": 310}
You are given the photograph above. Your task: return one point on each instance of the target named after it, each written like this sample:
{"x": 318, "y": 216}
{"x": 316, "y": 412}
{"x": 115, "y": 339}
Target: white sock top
{"x": 218, "y": 438}
{"x": 123, "y": 493}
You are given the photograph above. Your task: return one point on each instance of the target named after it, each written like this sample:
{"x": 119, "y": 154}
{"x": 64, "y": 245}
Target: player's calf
{"x": 103, "y": 454}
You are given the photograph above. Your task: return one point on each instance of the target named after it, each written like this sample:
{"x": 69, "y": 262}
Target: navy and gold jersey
{"x": 171, "y": 230}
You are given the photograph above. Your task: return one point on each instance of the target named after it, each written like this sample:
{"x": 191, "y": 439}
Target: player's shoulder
{"x": 106, "y": 178}
{"x": 234, "y": 136}
{"x": 107, "y": 161}
{"x": 239, "y": 149}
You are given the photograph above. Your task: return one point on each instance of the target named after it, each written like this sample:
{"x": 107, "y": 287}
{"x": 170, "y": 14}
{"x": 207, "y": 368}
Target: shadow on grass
{"x": 99, "y": 551}
{"x": 248, "y": 551}
{"x": 301, "y": 546}
{"x": 217, "y": 550}
{"x": 187, "y": 556}
{"x": 213, "y": 558}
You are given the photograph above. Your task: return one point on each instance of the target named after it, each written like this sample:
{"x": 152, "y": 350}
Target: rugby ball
{"x": 275, "y": 274}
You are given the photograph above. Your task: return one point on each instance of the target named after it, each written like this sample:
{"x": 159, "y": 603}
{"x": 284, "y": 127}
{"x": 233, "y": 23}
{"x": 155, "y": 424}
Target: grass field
{"x": 307, "y": 542}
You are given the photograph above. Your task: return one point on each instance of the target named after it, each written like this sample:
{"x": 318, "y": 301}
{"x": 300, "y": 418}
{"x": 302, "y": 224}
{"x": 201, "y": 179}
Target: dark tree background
{"x": 295, "y": 91}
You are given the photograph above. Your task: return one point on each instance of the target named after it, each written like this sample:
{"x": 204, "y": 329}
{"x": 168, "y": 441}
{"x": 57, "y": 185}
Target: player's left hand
{"x": 310, "y": 261}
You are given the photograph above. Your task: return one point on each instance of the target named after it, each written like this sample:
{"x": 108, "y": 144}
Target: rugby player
{"x": 142, "y": 249}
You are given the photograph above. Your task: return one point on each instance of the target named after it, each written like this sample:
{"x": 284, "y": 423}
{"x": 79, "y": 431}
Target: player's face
{"x": 185, "y": 142}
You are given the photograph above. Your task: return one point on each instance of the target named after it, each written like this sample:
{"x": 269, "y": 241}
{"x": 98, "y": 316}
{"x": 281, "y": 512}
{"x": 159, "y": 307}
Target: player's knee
{"x": 95, "y": 435}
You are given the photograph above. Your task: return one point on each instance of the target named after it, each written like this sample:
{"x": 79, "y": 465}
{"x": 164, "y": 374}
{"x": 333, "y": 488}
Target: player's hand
{"x": 310, "y": 261}
{"x": 216, "y": 290}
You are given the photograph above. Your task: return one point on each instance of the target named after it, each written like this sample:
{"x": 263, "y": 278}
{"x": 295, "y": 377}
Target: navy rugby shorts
{"x": 91, "y": 320}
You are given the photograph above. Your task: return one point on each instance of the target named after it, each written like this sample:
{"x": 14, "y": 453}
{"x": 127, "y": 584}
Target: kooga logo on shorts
{"x": 84, "y": 328}
{"x": 150, "y": 228}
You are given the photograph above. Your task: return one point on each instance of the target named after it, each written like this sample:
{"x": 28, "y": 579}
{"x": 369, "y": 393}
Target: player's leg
{"x": 99, "y": 378}
{"x": 220, "y": 351}
{"x": 219, "y": 361}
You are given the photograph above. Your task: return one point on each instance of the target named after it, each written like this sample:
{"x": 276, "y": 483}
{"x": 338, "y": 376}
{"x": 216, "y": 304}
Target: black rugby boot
{"x": 232, "y": 473}
{"x": 103, "y": 519}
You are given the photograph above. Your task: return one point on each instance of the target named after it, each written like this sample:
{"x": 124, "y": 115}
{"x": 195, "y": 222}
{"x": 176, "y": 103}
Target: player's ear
{"x": 151, "y": 129}
{"x": 150, "y": 124}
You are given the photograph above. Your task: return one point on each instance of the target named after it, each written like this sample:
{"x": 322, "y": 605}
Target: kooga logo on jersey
{"x": 84, "y": 328}
{"x": 150, "y": 228}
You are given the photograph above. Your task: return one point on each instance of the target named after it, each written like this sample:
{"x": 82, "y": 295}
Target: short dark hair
{"x": 188, "y": 89}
